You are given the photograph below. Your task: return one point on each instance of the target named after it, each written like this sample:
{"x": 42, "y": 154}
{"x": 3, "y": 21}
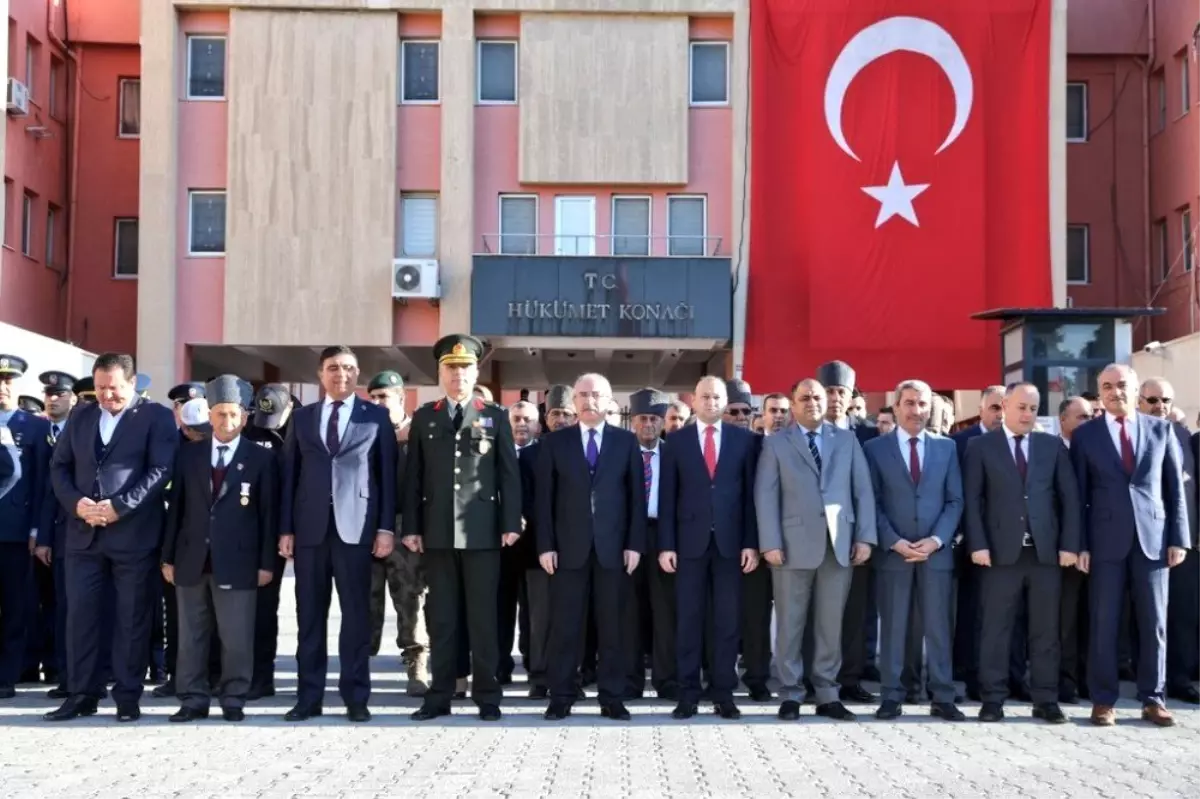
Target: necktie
{"x": 812, "y": 448}
{"x": 55, "y": 432}
{"x": 332, "y": 440}
{"x": 593, "y": 451}
{"x": 218, "y": 472}
{"x": 1126, "y": 446}
{"x": 1022, "y": 464}
{"x": 456, "y": 419}
{"x": 710, "y": 451}
{"x": 914, "y": 461}
{"x": 647, "y": 471}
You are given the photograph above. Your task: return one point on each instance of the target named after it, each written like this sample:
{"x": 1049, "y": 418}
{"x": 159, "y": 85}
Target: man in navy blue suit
{"x": 708, "y": 536}
{"x": 338, "y": 510}
{"x": 1130, "y": 474}
{"x": 110, "y": 470}
{"x": 591, "y": 533}
{"x": 28, "y": 436}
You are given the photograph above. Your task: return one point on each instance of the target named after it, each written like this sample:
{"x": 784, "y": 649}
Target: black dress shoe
{"x": 856, "y": 693}
{"x": 260, "y": 691}
{"x": 59, "y": 692}
{"x": 683, "y": 711}
{"x": 427, "y": 712}
{"x": 947, "y": 711}
{"x": 759, "y": 693}
{"x": 75, "y": 707}
{"x": 1185, "y": 693}
{"x": 890, "y": 709}
{"x": 991, "y": 711}
{"x": 538, "y": 692}
{"x": 233, "y": 714}
{"x": 302, "y": 713}
{"x": 728, "y": 711}
{"x": 1049, "y": 712}
{"x": 557, "y": 711}
{"x": 836, "y": 711}
{"x": 358, "y": 713}
{"x": 789, "y": 711}
{"x": 128, "y": 711}
{"x": 189, "y": 714}
{"x": 164, "y": 691}
{"x": 7, "y": 692}
{"x": 615, "y": 711}
{"x": 489, "y": 713}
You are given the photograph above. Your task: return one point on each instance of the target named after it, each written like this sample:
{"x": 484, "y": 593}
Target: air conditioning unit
{"x": 415, "y": 278}
{"x": 17, "y": 100}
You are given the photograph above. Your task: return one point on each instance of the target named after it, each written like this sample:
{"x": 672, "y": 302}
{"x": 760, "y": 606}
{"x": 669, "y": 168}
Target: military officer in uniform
{"x": 462, "y": 502}
{"x": 85, "y": 389}
{"x": 31, "y": 405}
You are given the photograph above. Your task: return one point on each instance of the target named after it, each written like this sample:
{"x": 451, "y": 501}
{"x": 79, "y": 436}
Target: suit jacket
{"x": 578, "y": 513}
{"x": 21, "y": 505}
{"x": 864, "y": 431}
{"x": 1196, "y": 486}
{"x": 238, "y": 528}
{"x": 1147, "y": 507}
{"x": 964, "y": 437}
{"x": 527, "y": 458}
{"x": 462, "y": 489}
{"x": 132, "y": 471}
{"x": 799, "y": 509}
{"x": 1000, "y": 506}
{"x": 360, "y": 478}
{"x": 932, "y": 507}
{"x": 10, "y": 471}
{"x": 694, "y": 509}
{"x": 1191, "y": 487}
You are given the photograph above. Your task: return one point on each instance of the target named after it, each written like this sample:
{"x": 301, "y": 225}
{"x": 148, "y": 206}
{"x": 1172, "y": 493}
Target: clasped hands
{"x": 97, "y": 514}
{"x": 915, "y": 551}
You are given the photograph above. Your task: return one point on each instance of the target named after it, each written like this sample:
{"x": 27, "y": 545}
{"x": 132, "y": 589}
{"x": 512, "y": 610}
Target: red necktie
{"x": 914, "y": 462}
{"x": 710, "y": 451}
{"x": 1126, "y": 446}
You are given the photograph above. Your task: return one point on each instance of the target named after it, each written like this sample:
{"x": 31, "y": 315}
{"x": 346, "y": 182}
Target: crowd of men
{"x": 135, "y": 538}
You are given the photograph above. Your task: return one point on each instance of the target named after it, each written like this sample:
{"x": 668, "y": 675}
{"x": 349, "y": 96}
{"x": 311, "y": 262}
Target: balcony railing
{"x": 554, "y": 244}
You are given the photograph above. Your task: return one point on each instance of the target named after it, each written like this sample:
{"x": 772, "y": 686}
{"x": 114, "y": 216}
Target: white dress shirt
{"x": 655, "y": 470}
{"x": 1012, "y": 444}
{"x": 818, "y": 438}
{"x": 1066, "y": 441}
{"x": 716, "y": 426}
{"x": 583, "y": 435}
{"x": 343, "y": 416}
{"x": 843, "y": 423}
{"x": 108, "y": 424}
{"x": 231, "y": 448}
{"x": 902, "y": 437}
{"x": 1114, "y": 430}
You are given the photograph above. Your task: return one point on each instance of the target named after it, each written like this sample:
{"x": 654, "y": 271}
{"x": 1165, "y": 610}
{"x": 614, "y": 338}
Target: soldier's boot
{"x": 418, "y": 676}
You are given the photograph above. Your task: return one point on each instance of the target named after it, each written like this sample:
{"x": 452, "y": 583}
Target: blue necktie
{"x": 593, "y": 452}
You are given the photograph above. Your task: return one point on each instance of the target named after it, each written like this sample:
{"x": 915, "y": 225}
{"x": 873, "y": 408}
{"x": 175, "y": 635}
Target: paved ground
{"x": 526, "y": 758}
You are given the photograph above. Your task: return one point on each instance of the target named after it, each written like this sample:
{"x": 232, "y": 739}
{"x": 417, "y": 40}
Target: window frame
{"x": 57, "y": 68}
{"x": 537, "y": 221}
{"x": 694, "y": 103}
{"x": 187, "y": 71}
{"x": 121, "y": 84}
{"x": 479, "y": 43}
{"x": 612, "y": 225}
{"x": 704, "y": 229}
{"x": 1087, "y": 255}
{"x": 1084, "y": 91}
{"x": 1162, "y": 242}
{"x": 192, "y": 195}
{"x": 436, "y": 43}
{"x": 437, "y": 214}
{"x": 1185, "y": 83}
{"x": 33, "y": 49}
{"x": 1161, "y": 115}
{"x": 28, "y": 201}
{"x": 51, "y": 224}
{"x": 116, "y": 268}
{"x": 1187, "y": 242}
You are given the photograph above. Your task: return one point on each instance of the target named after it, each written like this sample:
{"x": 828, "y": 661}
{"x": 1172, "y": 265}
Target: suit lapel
{"x": 799, "y": 438}
{"x": 575, "y": 449}
{"x": 203, "y": 457}
{"x": 234, "y": 470}
{"x": 353, "y": 425}
{"x": 607, "y": 443}
{"x": 1143, "y": 445}
{"x": 901, "y": 463}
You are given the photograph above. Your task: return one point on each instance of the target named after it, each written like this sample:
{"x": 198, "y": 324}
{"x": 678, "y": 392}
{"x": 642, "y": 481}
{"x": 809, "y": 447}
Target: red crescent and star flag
{"x": 900, "y": 182}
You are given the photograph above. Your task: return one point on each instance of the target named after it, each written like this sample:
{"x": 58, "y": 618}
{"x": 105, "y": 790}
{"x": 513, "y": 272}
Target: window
{"x": 27, "y": 224}
{"x": 709, "y": 73}
{"x": 1077, "y": 112}
{"x": 496, "y": 72}
{"x": 125, "y": 255}
{"x": 631, "y": 225}
{"x": 206, "y": 214}
{"x": 129, "y": 126}
{"x": 418, "y": 226}
{"x": 574, "y": 225}
{"x": 687, "y": 224}
{"x": 51, "y": 232}
{"x": 518, "y": 224}
{"x": 1160, "y": 108}
{"x": 1079, "y": 268}
{"x": 1185, "y": 81}
{"x": 419, "y": 72}
{"x": 8, "y": 210}
{"x": 206, "y": 68}
{"x": 1186, "y": 238}
{"x": 1162, "y": 249}
{"x": 58, "y": 73}
{"x": 33, "y": 52}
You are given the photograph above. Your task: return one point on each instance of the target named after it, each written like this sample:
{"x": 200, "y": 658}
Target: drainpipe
{"x": 1147, "y": 66}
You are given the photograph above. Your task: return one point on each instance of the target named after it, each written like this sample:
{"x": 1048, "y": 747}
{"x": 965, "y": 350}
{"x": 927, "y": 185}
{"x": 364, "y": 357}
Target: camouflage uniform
{"x": 402, "y": 575}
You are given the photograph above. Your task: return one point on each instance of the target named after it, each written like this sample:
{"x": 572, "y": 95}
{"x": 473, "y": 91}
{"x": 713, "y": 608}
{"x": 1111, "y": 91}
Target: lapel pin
{"x": 240, "y": 466}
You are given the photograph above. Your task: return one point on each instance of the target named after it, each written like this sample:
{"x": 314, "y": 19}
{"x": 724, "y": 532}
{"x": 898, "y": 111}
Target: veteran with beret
{"x": 462, "y": 502}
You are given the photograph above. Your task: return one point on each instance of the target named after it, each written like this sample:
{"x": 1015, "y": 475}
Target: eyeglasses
{"x": 1157, "y": 400}
{"x": 738, "y": 411}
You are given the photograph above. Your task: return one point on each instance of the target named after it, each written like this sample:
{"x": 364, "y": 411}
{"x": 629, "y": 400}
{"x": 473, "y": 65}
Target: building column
{"x": 457, "y": 202}
{"x": 740, "y": 205}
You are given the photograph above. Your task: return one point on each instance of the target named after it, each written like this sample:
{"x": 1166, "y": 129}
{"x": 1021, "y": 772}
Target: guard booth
{"x": 1063, "y": 350}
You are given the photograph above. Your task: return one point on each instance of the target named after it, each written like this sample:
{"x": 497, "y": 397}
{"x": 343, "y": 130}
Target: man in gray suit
{"x": 816, "y": 520}
{"x": 918, "y": 488}
{"x": 1022, "y": 524}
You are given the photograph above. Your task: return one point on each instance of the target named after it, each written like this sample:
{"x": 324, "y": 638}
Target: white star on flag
{"x": 896, "y": 198}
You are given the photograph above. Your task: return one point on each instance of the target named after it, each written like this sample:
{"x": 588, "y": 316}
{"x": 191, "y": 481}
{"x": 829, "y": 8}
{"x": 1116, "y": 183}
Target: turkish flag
{"x": 899, "y": 183}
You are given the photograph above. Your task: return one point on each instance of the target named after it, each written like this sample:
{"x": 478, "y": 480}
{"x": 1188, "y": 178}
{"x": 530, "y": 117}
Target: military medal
{"x": 245, "y": 494}
{"x": 484, "y": 446}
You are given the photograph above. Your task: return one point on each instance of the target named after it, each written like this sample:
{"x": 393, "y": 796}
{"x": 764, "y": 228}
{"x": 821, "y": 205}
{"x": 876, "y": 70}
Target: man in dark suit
{"x": 1073, "y": 604}
{"x": 338, "y": 510}
{"x": 20, "y": 514}
{"x": 591, "y": 528}
{"x": 1130, "y": 475}
{"x": 462, "y": 503}
{"x": 1023, "y": 527}
{"x": 708, "y": 537}
{"x": 220, "y": 547}
{"x": 110, "y": 471}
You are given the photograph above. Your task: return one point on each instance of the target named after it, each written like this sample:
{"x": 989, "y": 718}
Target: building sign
{"x": 593, "y": 296}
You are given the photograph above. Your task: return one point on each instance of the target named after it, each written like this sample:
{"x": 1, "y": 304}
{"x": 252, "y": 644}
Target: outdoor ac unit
{"x": 17, "y": 100}
{"x": 415, "y": 278}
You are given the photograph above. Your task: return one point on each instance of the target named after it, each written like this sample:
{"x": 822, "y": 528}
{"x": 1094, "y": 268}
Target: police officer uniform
{"x": 141, "y": 385}
{"x": 462, "y": 495}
